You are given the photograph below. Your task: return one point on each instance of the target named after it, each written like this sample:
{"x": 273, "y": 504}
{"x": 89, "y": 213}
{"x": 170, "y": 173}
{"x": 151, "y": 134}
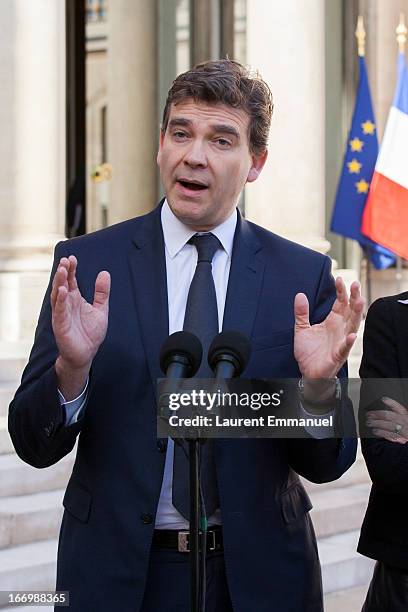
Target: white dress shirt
{"x": 181, "y": 261}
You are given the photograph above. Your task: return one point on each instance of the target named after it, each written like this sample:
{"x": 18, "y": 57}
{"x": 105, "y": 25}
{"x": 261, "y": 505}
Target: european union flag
{"x": 358, "y": 167}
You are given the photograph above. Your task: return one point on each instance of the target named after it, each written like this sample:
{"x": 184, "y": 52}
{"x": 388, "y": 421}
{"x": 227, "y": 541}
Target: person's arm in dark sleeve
{"x": 324, "y": 460}
{"x": 36, "y": 417}
{"x": 387, "y": 462}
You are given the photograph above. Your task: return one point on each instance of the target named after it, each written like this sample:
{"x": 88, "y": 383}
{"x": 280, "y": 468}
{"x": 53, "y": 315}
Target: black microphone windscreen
{"x": 185, "y": 344}
{"x": 230, "y": 342}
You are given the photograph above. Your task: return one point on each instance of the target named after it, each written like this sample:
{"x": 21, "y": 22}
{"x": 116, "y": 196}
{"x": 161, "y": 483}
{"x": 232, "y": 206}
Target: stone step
{"x": 350, "y": 599}
{"x": 339, "y": 510}
{"x": 7, "y": 391}
{"x": 13, "y": 359}
{"x": 19, "y": 478}
{"x": 5, "y": 443}
{"x": 27, "y": 608}
{"x": 29, "y": 518}
{"x": 11, "y": 368}
{"x": 25, "y": 518}
{"x": 342, "y": 567}
{"x": 30, "y": 567}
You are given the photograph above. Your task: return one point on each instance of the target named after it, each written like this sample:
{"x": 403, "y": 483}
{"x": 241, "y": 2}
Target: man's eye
{"x": 179, "y": 135}
{"x": 223, "y": 142}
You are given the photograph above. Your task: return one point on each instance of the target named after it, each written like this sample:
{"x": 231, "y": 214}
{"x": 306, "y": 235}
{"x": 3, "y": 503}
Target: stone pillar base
{"x": 21, "y": 295}
{"x": 24, "y": 274}
{"x": 317, "y": 243}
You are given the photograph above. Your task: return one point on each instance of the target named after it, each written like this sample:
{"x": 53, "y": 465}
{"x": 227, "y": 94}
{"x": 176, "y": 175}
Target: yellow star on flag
{"x": 362, "y": 186}
{"x": 354, "y": 166}
{"x": 356, "y": 144}
{"x": 368, "y": 127}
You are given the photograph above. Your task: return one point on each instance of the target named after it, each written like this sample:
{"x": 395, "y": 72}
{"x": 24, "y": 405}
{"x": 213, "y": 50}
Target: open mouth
{"x": 192, "y": 186}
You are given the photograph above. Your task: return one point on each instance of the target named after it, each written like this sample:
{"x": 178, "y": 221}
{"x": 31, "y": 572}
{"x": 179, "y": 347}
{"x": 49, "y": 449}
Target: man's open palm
{"x": 79, "y": 327}
{"x": 322, "y": 349}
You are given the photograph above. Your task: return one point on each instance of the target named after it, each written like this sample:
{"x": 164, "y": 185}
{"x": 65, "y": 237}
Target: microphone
{"x": 229, "y": 354}
{"x": 180, "y": 355}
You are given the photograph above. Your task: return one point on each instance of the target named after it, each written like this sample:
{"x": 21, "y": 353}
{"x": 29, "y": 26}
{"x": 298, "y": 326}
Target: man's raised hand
{"x": 79, "y": 327}
{"x": 322, "y": 349}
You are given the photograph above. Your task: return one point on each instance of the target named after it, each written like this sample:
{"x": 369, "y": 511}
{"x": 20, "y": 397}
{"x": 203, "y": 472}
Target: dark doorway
{"x": 75, "y": 224}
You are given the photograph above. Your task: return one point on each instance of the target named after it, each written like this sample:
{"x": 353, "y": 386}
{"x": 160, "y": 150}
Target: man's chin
{"x": 189, "y": 213}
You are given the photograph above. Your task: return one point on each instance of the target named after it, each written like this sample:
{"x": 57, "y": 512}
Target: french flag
{"x": 385, "y": 218}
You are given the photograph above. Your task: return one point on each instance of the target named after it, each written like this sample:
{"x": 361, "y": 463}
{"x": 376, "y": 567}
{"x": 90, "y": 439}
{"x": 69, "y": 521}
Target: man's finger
{"x": 355, "y": 291}
{"x": 356, "y": 313}
{"x": 72, "y": 282}
{"x": 341, "y": 290}
{"x": 59, "y": 280}
{"x": 301, "y": 310}
{"x": 59, "y": 311}
{"x": 102, "y": 290}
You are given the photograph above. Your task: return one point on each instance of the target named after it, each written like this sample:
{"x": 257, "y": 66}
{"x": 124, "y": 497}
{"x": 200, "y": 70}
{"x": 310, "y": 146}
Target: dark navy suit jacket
{"x": 112, "y": 496}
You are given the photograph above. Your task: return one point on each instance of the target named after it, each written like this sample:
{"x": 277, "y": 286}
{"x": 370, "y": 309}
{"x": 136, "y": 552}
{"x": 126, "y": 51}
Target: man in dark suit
{"x": 384, "y": 370}
{"x": 95, "y": 374}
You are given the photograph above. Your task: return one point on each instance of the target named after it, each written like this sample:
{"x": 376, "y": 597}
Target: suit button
{"x": 49, "y": 429}
{"x": 161, "y": 446}
{"x": 146, "y": 518}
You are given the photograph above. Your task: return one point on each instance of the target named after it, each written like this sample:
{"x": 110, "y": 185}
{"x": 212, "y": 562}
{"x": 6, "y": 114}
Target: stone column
{"x": 32, "y": 158}
{"x": 286, "y": 43}
{"x": 132, "y": 119}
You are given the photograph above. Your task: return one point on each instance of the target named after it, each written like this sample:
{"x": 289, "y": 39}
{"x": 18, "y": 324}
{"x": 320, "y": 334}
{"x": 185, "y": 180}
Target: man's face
{"x": 205, "y": 161}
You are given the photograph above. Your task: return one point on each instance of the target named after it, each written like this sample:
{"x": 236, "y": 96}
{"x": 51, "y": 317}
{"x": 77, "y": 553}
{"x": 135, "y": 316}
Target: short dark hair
{"x": 228, "y": 82}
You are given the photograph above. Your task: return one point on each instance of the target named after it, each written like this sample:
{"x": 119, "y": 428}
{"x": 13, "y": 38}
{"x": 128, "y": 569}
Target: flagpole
{"x": 368, "y": 278}
{"x": 398, "y": 274}
{"x": 401, "y": 32}
{"x": 360, "y": 35}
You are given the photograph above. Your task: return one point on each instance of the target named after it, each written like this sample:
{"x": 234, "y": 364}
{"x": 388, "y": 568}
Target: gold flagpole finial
{"x": 401, "y": 33}
{"x": 360, "y": 35}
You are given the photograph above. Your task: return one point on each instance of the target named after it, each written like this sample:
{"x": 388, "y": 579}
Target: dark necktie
{"x": 201, "y": 318}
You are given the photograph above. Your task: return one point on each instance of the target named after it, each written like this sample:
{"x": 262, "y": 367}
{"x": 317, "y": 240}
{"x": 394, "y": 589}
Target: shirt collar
{"x": 176, "y": 234}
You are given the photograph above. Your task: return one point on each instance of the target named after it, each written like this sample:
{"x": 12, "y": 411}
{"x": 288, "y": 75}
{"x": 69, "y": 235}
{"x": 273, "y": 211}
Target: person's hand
{"x": 79, "y": 327}
{"x": 322, "y": 349}
{"x": 390, "y": 424}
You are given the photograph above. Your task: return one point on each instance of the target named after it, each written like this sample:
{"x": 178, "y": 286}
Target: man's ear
{"x": 258, "y": 162}
{"x": 158, "y": 158}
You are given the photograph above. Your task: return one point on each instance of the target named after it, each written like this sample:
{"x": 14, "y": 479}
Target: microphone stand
{"x": 180, "y": 357}
{"x": 194, "y": 451}
{"x": 228, "y": 355}
{"x": 228, "y": 362}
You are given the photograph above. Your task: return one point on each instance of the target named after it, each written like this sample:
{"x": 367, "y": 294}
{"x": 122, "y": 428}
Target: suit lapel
{"x": 245, "y": 280}
{"x": 148, "y": 271}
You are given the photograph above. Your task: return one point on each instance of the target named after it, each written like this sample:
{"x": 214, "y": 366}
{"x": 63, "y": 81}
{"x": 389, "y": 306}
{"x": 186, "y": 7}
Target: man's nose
{"x": 196, "y": 154}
